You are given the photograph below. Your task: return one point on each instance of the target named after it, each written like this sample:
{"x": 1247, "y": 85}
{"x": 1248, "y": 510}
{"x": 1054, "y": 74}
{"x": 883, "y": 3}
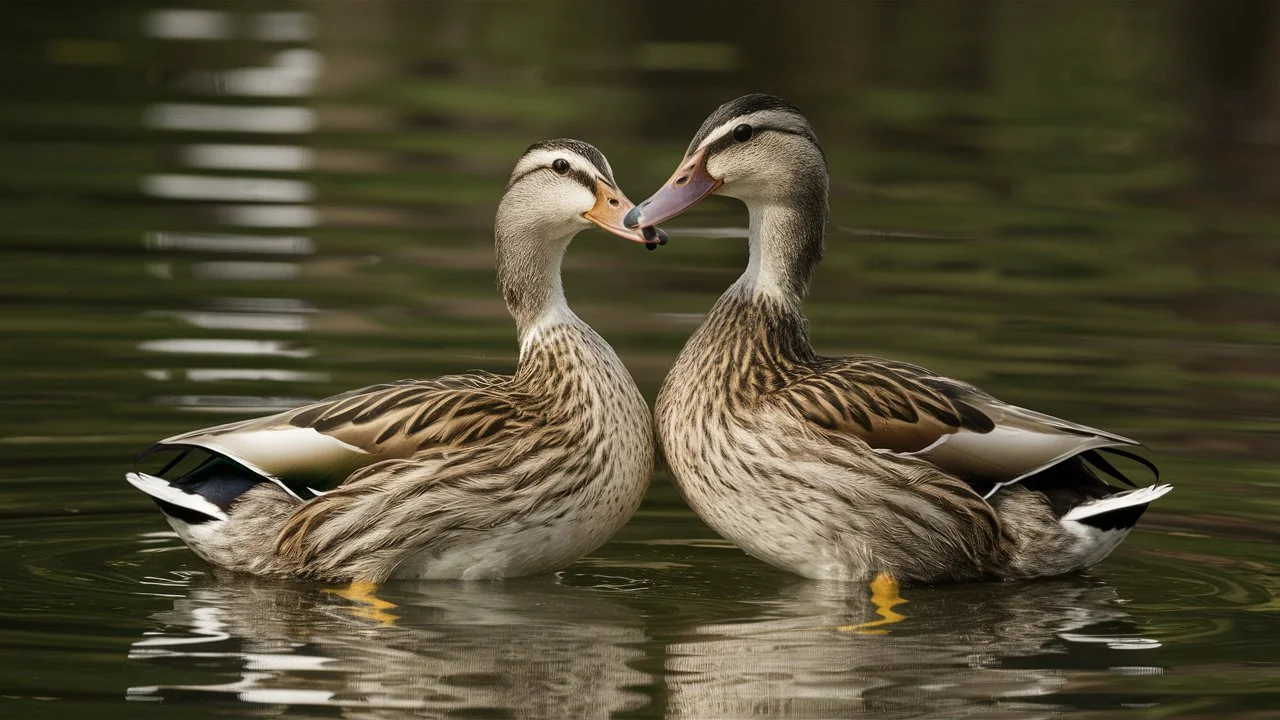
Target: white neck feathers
{"x": 767, "y": 269}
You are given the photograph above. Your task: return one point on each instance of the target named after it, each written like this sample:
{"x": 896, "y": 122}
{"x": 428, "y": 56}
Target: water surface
{"x": 216, "y": 211}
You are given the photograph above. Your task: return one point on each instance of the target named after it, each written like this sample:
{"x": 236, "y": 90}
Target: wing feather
{"x": 320, "y": 445}
{"x": 906, "y": 409}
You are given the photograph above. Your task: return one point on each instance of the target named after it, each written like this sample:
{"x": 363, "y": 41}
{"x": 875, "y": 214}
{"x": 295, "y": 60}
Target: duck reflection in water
{"x": 527, "y": 648}
{"x": 827, "y": 649}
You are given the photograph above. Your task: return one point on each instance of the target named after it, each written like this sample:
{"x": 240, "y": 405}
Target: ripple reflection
{"x": 979, "y": 648}
{"x": 531, "y": 648}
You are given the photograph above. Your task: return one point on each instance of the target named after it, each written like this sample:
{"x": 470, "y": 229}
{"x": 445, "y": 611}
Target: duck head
{"x": 762, "y": 151}
{"x": 558, "y": 189}
{"x": 758, "y": 149}
{"x": 561, "y": 187}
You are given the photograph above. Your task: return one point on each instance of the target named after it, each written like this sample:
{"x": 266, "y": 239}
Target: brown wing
{"x": 318, "y": 446}
{"x": 962, "y": 430}
{"x": 399, "y": 419}
{"x": 889, "y": 405}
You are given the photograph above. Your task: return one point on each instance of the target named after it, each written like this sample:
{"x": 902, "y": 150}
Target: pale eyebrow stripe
{"x": 760, "y": 120}
{"x": 719, "y": 132}
{"x": 542, "y": 159}
{"x": 546, "y": 156}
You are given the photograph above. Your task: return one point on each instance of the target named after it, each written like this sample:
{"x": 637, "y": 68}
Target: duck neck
{"x": 529, "y": 277}
{"x": 787, "y": 237}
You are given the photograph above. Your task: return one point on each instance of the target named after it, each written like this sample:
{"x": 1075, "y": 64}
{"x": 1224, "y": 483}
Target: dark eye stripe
{"x": 727, "y": 139}
{"x": 584, "y": 179}
{"x": 723, "y": 142}
{"x": 523, "y": 175}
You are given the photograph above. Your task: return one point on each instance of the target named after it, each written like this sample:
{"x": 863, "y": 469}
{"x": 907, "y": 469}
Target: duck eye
{"x": 560, "y": 165}
{"x": 742, "y": 133}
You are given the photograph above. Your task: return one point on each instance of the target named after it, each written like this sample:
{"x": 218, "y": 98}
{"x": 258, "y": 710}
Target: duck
{"x": 857, "y": 468}
{"x": 471, "y": 476}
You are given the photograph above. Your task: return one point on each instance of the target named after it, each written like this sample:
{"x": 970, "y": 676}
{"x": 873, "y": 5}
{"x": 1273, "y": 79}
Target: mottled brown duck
{"x": 465, "y": 476}
{"x": 851, "y": 468}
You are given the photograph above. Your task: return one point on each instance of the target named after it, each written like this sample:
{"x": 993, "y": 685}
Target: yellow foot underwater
{"x": 885, "y": 597}
{"x": 371, "y": 607}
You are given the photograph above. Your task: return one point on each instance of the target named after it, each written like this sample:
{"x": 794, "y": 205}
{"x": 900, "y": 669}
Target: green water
{"x": 1076, "y": 207}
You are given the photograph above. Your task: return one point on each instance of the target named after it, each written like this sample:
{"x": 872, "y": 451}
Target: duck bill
{"x": 610, "y": 210}
{"x": 686, "y": 188}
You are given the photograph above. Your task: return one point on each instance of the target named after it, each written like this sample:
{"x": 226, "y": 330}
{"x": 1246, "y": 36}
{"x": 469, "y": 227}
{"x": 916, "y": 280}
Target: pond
{"x": 219, "y": 210}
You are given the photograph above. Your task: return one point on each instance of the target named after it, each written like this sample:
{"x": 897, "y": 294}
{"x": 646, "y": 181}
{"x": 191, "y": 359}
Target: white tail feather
{"x": 1130, "y": 498}
{"x": 160, "y": 489}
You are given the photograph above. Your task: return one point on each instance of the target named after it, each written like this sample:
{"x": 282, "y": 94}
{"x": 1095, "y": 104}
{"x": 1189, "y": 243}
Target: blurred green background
{"x": 215, "y": 210}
